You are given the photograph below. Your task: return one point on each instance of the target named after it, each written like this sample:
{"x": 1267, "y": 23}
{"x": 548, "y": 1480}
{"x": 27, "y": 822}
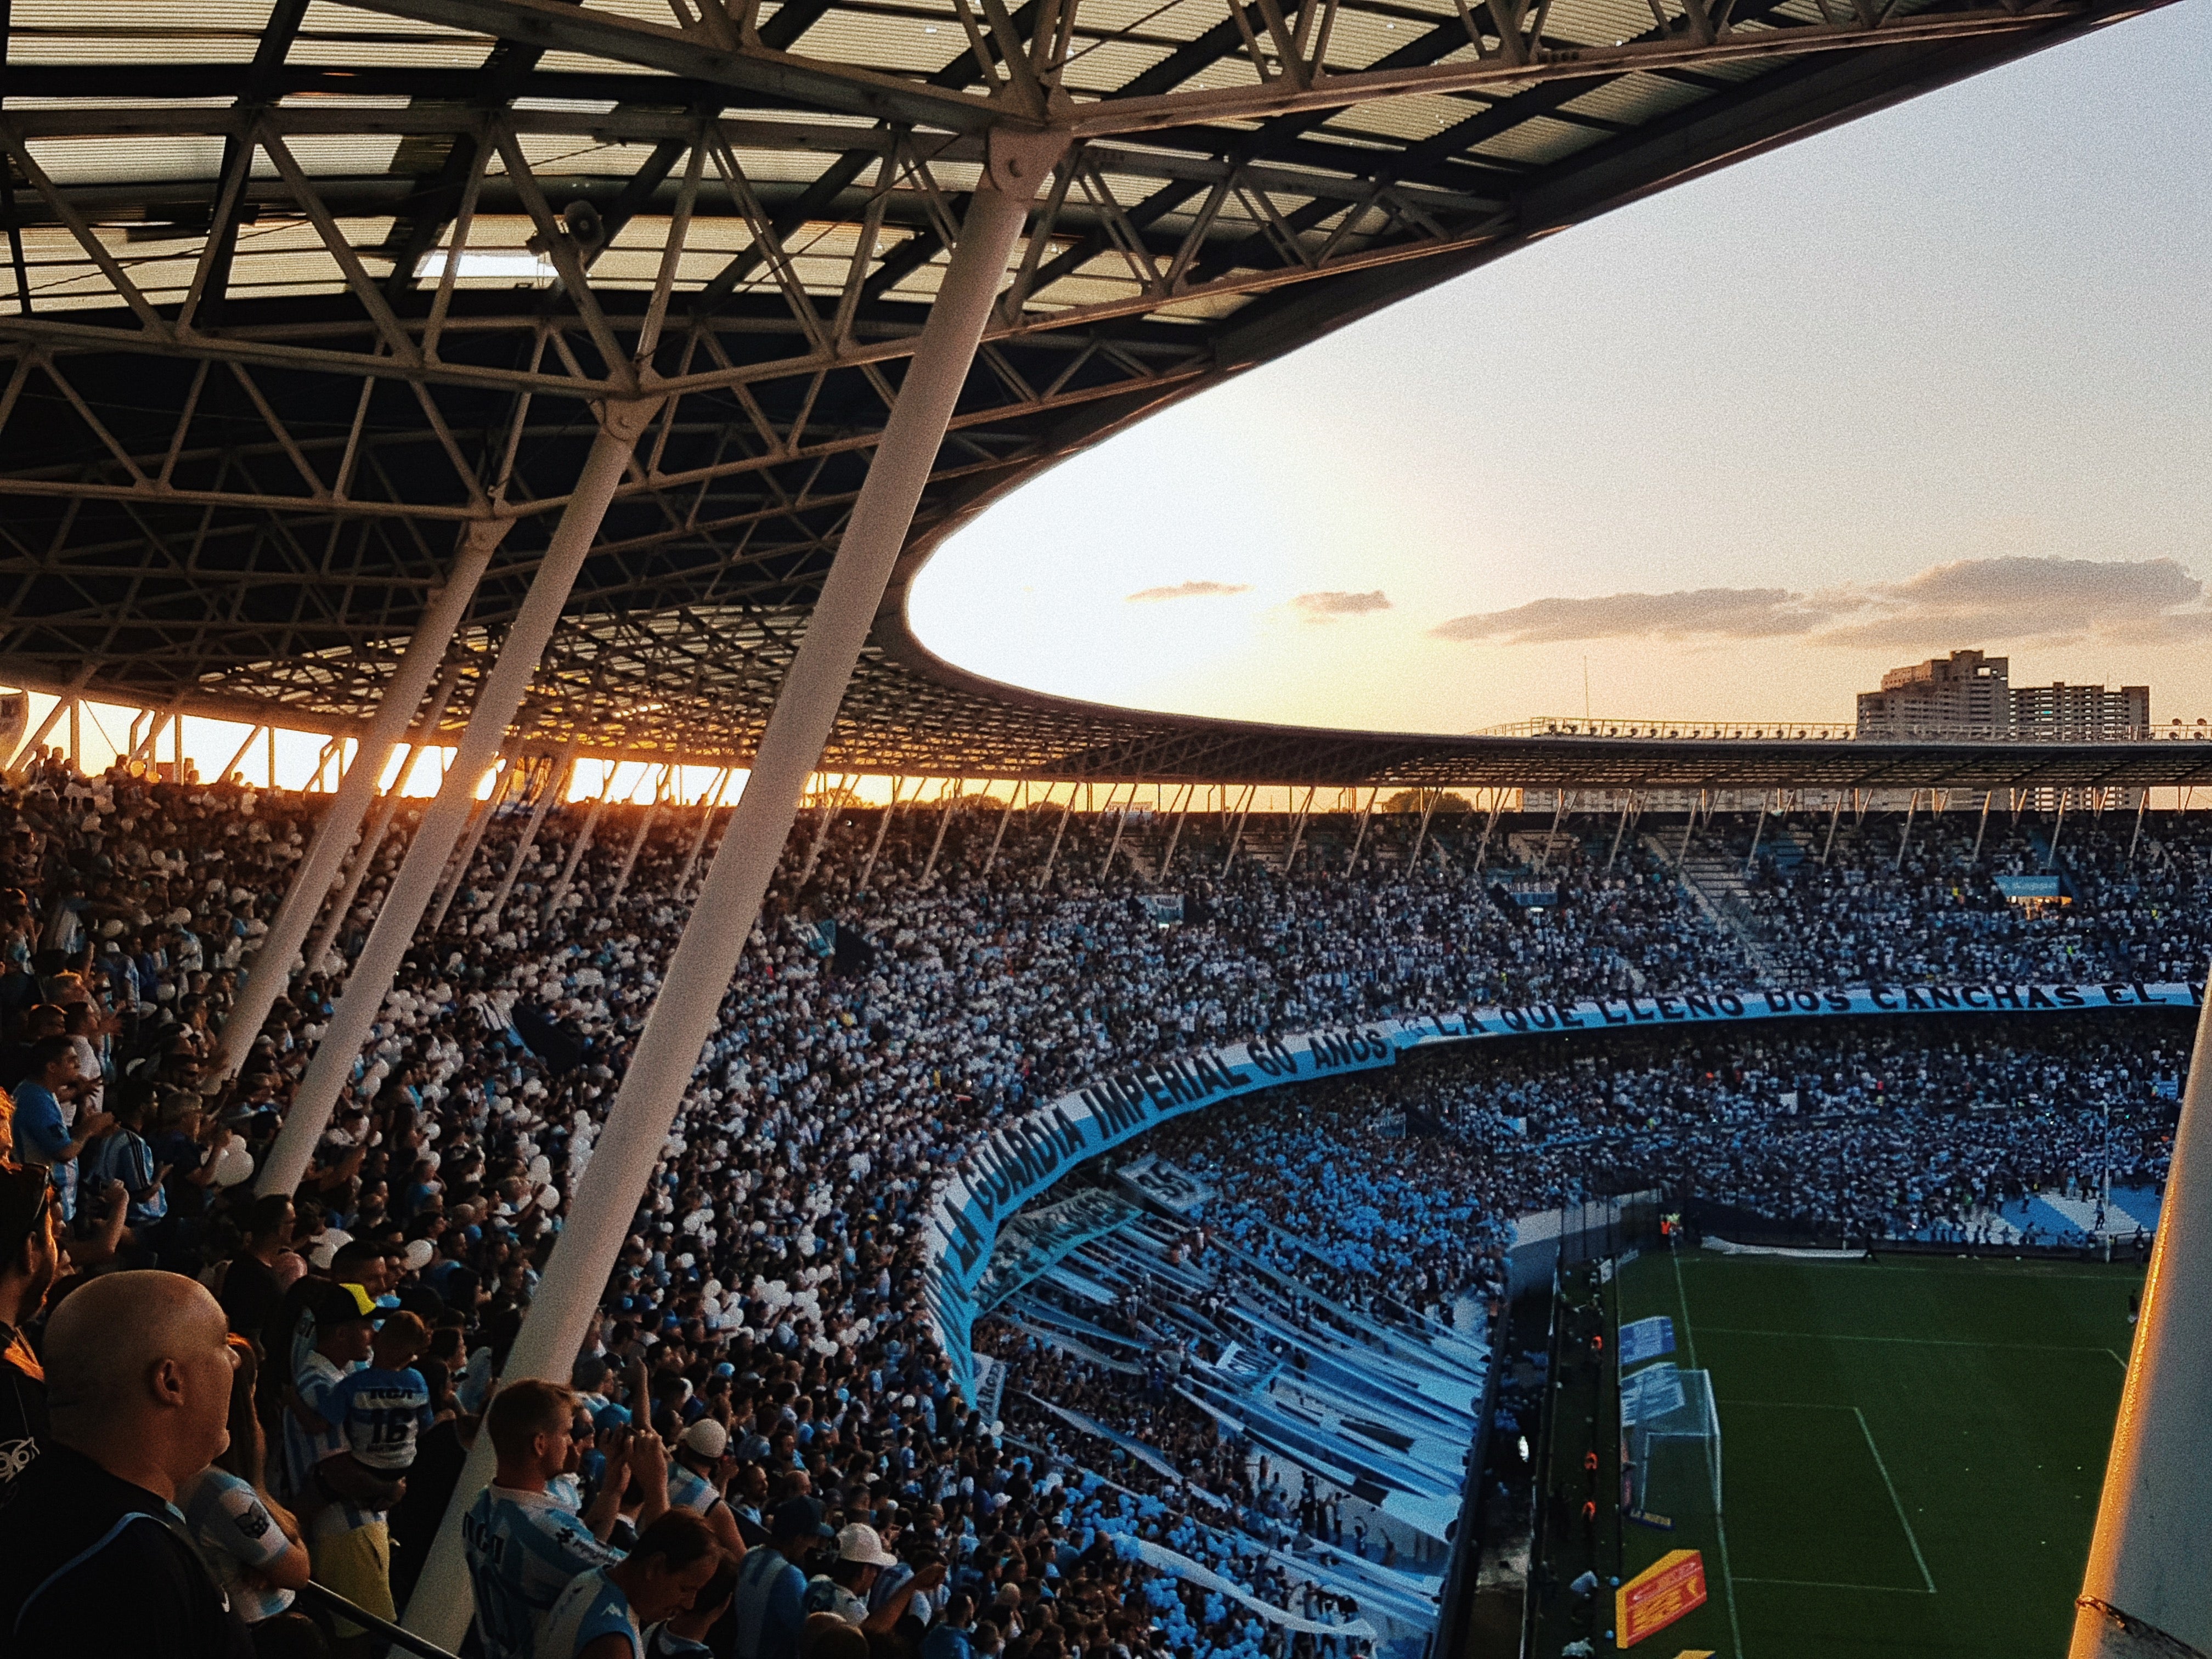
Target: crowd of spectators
{"x": 771, "y": 1286}
{"x": 1890, "y": 903}
{"x": 1863, "y": 1128}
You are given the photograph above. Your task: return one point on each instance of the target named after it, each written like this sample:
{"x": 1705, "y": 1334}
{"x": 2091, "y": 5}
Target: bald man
{"x": 91, "y": 1556}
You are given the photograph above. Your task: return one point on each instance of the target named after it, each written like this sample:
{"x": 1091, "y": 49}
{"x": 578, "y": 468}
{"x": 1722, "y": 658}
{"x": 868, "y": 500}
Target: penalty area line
{"x": 1822, "y": 1584}
{"x": 1909, "y": 1537}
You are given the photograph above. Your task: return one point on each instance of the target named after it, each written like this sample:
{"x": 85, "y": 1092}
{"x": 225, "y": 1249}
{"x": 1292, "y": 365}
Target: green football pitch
{"x": 1911, "y": 1450}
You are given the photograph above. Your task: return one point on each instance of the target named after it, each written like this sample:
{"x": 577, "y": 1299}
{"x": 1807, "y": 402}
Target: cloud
{"x": 1977, "y": 601}
{"x": 2139, "y": 601}
{"x": 1187, "y": 591}
{"x": 1743, "y": 613}
{"x": 1321, "y": 607}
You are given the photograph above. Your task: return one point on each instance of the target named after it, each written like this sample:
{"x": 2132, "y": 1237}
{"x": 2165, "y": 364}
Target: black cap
{"x": 799, "y": 1517}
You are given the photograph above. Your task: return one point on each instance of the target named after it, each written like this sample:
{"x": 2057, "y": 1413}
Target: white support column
{"x": 1018, "y": 792}
{"x": 1482, "y": 851}
{"x": 709, "y": 804}
{"x": 1236, "y": 837}
{"x": 1120, "y": 823}
{"x": 504, "y": 688}
{"x": 481, "y": 814}
{"x": 1359, "y": 837}
{"x": 1558, "y": 809}
{"x": 1619, "y": 831}
{"x": 65, "y": 704}
{"x": 2058, "y": 828}
{"x": 334, "y": 832}
{"x": 2142, "y": 799}
{"x": 144, "y": 746}
{"x": 644, "y": 829}
{"x": 1167, "y": 860}
{"x": 1912, "y": 805}
{"x": 832, "y": 801}
{"x": 554, "y": 787}
{"x": 944, "y": 821}
{"x": 698, "y": 974}
{"x": 1421, "y": 836}
{"x": 1758, "y": 830}
{"x": 1298, "y": 831}
{"x": 341, "y": 906}
{"x": 1980, "y": 829}
{"x": 882, "y": 829}
{"x": 237, "y": 756}
{"x": 1052, "y": 854}
{"x": 1835, "y": 816}
{"x": 579, "y": 846}
{"x": 2147, "y": 1595}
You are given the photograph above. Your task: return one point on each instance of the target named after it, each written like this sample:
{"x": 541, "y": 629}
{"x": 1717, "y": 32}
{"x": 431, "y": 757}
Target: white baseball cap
{"x": 707, "y": 1438}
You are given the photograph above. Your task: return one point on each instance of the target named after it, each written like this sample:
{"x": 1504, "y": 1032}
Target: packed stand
{"x": 770, "y": 1290}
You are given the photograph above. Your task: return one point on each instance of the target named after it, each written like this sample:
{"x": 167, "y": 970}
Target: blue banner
{"x": 1646, "y": 1339}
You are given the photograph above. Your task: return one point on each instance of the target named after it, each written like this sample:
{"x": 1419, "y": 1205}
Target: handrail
{"x": 1565, "y": 725}
{"x": 330, "y": 1602}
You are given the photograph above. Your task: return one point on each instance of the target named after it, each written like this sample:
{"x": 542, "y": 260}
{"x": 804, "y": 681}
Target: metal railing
{"x": 1562, "y": 725}
{"x": 339, "y": 1607}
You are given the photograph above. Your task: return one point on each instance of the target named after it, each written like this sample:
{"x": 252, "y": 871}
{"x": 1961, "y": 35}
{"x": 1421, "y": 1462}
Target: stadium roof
{"x": 292, "y": 292}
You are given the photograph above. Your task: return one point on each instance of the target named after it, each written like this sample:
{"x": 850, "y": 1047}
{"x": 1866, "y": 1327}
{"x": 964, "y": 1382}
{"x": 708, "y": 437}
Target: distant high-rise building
{"x": 1970, "y": 694}
{"x": 2080, "y": 712}
{"x": 1966, "y": 693}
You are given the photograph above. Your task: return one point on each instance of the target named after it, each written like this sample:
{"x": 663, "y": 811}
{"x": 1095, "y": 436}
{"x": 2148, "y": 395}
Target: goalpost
{"x": 1674, "y": 1451}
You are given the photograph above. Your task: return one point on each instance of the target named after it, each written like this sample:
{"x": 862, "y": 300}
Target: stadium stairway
{"x": 1716, "y": 882}
{"x": 1788, "y": 847}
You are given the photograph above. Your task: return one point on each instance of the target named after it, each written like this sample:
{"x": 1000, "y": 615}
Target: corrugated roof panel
{"x": 1360, "y": 39}
{"x": 257, "y": 270}
{"x": 333, "y": 16}
{"x": 1185, "y": 20}
{"x": 650, "y": 11}
{"x": 1597, "y": 22}
{"x": 334, "y": 154}
{"x": 343, "y": 100}
{"x": 888, "y": 43}
{"x": 1635, "y": 99}
{"x": 1539, "y": 140}
{"x": 1234, "y": 70}
{"x": 583, "y": 63}
{"x": 567, "y": 106}
{"x": 1414, "y": 117}
{"x": 1107, "y": 65}
{"x": 710, "y": 233}
{"x": 1204, "y": 307}
{"x": 394, "y": 51}
{"x": 1084, "y": 289}
{"x": 82, "y": 44}
{"x": 216, "y": 101}
{"x": 292, "y": 236}
{"x": 128, "y": 160}
{"x": 558, "y": 155}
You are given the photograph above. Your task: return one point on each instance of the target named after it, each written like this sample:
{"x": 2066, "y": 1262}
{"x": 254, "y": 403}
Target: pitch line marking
{"x": 1910, "y": 1341}
{"x": 1720, "y": 1521}
{"x": 1822, "y": 1584}
{"x": 1909, "y": 1537}
{"x": 1815, "y": 1583}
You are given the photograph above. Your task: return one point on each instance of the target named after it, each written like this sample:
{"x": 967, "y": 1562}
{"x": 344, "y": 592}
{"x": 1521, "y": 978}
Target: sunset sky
{"x": 1940, "y": 378}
